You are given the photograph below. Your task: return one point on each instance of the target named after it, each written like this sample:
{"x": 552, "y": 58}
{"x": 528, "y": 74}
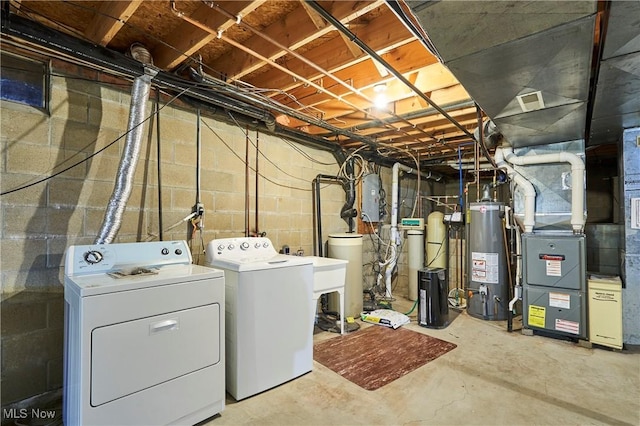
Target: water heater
{"x": 488, "y": 289}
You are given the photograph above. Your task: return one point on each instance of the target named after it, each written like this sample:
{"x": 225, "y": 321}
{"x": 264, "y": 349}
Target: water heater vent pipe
{"x": 577, "y": 179}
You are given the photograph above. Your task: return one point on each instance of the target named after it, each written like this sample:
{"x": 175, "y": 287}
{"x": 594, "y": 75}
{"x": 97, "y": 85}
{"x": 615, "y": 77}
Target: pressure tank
{"x": 488, "y": 290}
{"x": 348, "y": 247}
{"x": 436, "y": 241}
{"x": 415, "y": 251}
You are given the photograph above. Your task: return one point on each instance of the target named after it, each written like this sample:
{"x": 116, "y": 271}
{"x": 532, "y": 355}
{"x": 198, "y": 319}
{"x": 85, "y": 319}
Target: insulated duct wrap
{"x": 126, "y": 170}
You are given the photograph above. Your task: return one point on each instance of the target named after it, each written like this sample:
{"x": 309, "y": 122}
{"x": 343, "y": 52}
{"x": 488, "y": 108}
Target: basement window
{"x": 24, "y": 81}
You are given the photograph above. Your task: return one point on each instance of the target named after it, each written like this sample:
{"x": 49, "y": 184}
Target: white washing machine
{"x": 269, "y": 316}
{"x": 144, "y": 335}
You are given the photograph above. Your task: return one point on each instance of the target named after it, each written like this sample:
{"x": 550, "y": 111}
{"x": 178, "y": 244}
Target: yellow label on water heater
{"x": 537, "y": 315}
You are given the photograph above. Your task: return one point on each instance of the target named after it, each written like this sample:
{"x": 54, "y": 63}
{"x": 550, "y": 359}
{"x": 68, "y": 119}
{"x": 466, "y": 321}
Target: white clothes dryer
{"x": 269, "y": 315}
{"x": 144, "y": 335}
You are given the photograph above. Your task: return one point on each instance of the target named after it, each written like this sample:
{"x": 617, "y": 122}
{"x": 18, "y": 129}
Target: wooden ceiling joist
{"x": 110, "y": 18}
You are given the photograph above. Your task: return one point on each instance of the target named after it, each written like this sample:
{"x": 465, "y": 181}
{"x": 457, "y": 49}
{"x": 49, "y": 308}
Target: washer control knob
{"x": 178, "y": 252}
{"x": 231, "y": 246}
{"x": 165, "y": 251}
{"x": 94, "y": 256}
{"x": 257, "y": 245}
{"x": 244, "y": 245}
{"x": 220, "y": 247}
{"x": 265, "y": 244}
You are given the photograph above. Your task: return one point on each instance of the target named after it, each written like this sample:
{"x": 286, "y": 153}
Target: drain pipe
{"x": 577, "y": 179}
{"x": 126, "y": 170}
{"x": 347, "y": 213}
{"x": 394, "y": 237}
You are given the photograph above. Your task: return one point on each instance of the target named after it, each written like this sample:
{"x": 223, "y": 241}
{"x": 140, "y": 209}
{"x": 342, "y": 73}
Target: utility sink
{"x": 329, "y": 275}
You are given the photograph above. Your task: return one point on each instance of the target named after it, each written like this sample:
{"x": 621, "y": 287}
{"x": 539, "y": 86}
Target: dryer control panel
{"x": 102, "y": 258}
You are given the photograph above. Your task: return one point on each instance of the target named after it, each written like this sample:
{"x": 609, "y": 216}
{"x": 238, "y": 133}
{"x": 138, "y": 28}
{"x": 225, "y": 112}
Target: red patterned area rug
{"x": 378, "y": 355}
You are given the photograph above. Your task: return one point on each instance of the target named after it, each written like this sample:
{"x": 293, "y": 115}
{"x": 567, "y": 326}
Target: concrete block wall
{"x": 39, "y": 222}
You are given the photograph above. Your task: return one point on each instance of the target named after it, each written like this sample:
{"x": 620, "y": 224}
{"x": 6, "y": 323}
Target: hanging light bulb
{"x": 380, "y": 101}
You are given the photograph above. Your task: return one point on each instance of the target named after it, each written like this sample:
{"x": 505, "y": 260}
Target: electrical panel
{"x": 370, "y": 198}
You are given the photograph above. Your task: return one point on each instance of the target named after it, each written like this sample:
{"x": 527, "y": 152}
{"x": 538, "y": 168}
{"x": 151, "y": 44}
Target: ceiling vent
{"x": 531, "y": 101}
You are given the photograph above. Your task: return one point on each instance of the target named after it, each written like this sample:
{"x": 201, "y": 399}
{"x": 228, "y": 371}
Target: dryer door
{"x": 135, "y": 355}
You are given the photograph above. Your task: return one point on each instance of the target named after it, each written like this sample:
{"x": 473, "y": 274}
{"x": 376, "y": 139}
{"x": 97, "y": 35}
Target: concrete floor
{"x": 493, "y": 377}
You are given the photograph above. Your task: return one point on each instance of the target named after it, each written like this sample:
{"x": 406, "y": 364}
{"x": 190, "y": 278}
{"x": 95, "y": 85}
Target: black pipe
{"x": 348, "y": 212}
{"x": 604, "y": 9}
{"x": 480, "y": 141}
{"x": 160, "y": 235}
{"x": 317, "y": 217}
{"x": 32, "y": 33}
{"x": 352, "y": 37}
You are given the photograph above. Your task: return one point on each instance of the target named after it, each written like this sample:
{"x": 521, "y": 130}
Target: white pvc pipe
{"x": 577, "y": 178}
{"x": 394, "y": 236}
{"x": 525, "y": 185}
{"x": 518, "y": 287}
{"x": 415, "y": 251}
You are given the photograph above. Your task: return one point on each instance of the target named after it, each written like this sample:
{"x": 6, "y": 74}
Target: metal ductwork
{"x": 127, "y": 168}
{"x": 527, "y": 64}
{"x": 617, "y": 93}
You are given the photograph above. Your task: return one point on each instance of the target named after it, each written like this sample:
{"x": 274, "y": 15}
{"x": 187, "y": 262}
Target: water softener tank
{"x": 436, "y": 241}
{"x": 488, "y": 290}
{"x": 348, "y": 247}
{"x": 415, "y": 239}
